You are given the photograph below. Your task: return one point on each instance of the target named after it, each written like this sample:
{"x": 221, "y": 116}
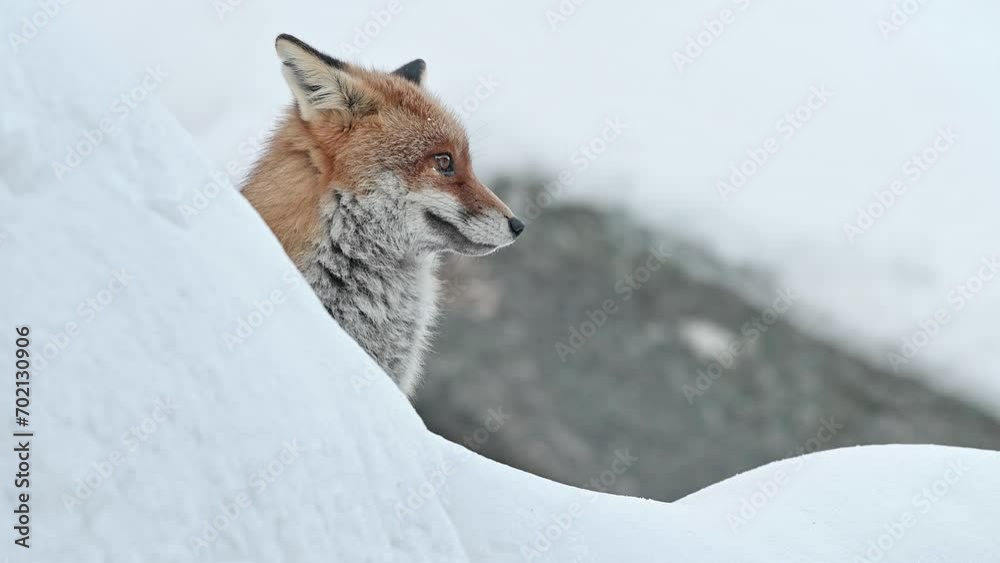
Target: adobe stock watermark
{"x": 913, "y": 169}
{"x": 365, "y": 33}
{"x": 495, "y": 420}
{"x": 261, "y": 311}
{"x": 203, "y": 197}
{"x": 33, "y": 24}
{"x": 922, "y": 502}
{"x": 484, "y": 90}
{"x": 959, "y": 297}
{"x": 257, "y": 483}
{"x": 248, "y": 149}
{"x": 899, "y": 17}
{"x": 563, "y": 11}
{"x": 752, "y": 331}
{"x": 416, "y": 497}
{"x": 361, "y": 381}
{"x": 451, "y": 292}
{"x": 787, "y": 127}
{"x": 751, "y": 505}
{"x": 557, "y": 525}
{"x": 87, "y": 310}
{"x": 121, "y": 108}
{"x": 581, "y": 160}
{"x": 131, "y": 441}
{"x": 225, "y": 7}
{"x": 701, "y": 41}
{"x": 624, "y": 287}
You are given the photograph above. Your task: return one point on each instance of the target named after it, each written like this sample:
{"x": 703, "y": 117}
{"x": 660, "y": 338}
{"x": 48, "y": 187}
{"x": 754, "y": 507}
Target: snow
{"x": 534, "y": 89}
{"x": 187, "y": 385}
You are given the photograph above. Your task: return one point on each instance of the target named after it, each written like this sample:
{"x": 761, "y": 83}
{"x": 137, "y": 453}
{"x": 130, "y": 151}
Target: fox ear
{"x": 322, "y": 85}
{"x": 412, "y": 71}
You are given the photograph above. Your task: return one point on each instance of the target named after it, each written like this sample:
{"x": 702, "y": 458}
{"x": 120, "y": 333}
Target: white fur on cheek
{"x": 489, "y": 229}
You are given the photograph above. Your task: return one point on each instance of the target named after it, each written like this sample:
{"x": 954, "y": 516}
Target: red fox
{"x": 365, "y": 181}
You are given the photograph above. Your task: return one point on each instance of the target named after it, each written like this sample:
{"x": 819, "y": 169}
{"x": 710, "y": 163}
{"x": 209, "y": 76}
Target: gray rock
{"x": 622, "y": 390}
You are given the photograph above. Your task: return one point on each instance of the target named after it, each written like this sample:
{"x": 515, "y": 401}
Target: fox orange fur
{"x": 366, "y": 181}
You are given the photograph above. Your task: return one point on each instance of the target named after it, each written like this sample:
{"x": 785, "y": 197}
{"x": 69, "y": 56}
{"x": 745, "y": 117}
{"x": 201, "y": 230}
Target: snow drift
{"x": 193, "y": 401}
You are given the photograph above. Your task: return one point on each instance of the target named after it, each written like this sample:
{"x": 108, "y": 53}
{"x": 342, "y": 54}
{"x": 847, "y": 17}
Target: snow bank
{"x": 192, "y": 401}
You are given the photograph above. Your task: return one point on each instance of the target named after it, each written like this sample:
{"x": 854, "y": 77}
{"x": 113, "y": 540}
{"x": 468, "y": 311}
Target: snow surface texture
{"x": 552, "y": 84}
{"x": 188, "y": 387}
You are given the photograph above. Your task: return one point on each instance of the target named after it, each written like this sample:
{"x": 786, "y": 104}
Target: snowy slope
{"x": 192, "y": 401}
{"x": 536, "y": 87}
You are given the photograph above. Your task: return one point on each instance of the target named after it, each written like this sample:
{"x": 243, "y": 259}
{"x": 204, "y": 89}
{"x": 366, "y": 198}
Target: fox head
{"x": 382, "y": 142}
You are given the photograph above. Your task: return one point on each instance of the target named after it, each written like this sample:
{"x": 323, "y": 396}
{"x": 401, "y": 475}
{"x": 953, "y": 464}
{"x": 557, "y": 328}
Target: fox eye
{"x": 444, "y": 164}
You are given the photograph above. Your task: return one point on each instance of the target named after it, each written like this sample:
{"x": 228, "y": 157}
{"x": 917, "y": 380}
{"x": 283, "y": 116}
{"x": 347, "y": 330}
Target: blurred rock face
{"x": 600, "y": 354}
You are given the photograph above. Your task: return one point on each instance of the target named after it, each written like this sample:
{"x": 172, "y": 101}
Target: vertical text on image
{"x": 22, "y": 438}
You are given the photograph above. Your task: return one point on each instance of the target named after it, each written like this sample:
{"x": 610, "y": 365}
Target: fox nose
{"x": 516, "y": 225}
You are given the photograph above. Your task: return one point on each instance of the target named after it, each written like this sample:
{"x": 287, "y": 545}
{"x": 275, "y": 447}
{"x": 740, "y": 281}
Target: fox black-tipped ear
{"x": 412, "y": 71}
{"x": 321, "y": 84}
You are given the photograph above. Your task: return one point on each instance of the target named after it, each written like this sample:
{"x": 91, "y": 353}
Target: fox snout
{"x": 516, "y": 226}
{"x": 474, "y": 231}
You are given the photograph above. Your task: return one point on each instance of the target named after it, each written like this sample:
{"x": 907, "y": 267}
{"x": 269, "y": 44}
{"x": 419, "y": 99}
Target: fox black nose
{"x": 516, "y": 225}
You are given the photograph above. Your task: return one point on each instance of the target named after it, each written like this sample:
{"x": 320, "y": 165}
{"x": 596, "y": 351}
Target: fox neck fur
{"x": 382, "y": 293}
{"x": 379, "y": 286}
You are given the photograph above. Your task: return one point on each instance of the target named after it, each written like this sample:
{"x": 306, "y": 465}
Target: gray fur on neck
{"x": 378, "y": 287}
